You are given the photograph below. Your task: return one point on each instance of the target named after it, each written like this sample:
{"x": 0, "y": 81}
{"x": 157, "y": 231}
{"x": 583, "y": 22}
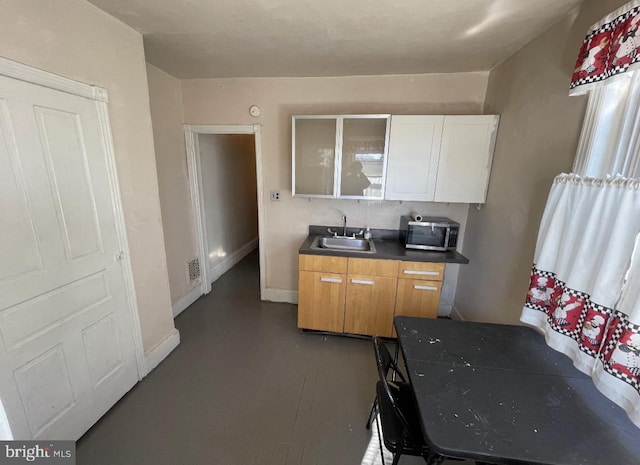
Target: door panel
{"x": 22, "y": 255}
{"x": 414, "y": 149}
{"x": 465, "y": 158}
{"x": 419, "y": 298}
{"x": 45, "y": 389}
{"x": 70, "y": 180}
{"x": 67, "y": 351}
{"x": 321, "y": 303}
{"x": 102, "y": 364}
{"x": 24, "y": 322}
{"x": 370, "y": 304}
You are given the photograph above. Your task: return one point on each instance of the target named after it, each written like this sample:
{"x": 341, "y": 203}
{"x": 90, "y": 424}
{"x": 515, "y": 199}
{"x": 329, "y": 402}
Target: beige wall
{"x": 537, "y": 139}
{"x": 177, "y": 220}
{"x": 227, "y": 101}
{"x": 75, "y": 39}
{"x": 228, "y": 166}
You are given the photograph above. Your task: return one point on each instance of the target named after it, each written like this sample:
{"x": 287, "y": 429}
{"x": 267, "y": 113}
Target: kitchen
{"x": 526, "y": 87}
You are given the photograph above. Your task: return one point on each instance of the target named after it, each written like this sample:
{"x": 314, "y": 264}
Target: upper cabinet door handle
{"x": 422, "y": 273}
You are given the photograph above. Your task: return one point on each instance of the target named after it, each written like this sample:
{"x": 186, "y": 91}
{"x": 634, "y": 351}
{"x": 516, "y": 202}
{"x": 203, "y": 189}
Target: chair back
{"x": 384, "y": 360}
{"x": 394, "y": 404}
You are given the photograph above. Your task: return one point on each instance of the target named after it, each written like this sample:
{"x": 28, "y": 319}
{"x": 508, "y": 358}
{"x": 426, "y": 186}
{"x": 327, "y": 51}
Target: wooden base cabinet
{"x": 362, "y": 295}
{"x": 418, "y": 298}
{"x": 371, "y": 295}
{"x": 419, "y": 287}
{"x": 322, "y": 286}
{"x": 321, "y": 301}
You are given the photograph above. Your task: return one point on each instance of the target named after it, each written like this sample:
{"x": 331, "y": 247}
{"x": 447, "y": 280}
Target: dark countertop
{"x": 388, "y": 247}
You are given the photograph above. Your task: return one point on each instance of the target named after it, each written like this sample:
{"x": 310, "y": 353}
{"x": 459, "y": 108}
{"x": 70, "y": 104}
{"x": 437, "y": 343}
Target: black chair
{"x": 384, "y": 363}
{"x": 401, "y": 430}
{"x": 399, "y": 419}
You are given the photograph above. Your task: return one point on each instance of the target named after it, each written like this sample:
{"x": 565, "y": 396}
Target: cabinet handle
{"x": 425, "y": 288}
{"x": 331, "y": 280}
{"x": 422, "y": 273}
{"x": 362, "y": 281}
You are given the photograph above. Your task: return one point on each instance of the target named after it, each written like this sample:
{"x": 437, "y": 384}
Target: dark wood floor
{"x": 244, "y": 387}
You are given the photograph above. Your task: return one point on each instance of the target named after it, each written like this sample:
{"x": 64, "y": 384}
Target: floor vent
{"x": 194, "y": 269}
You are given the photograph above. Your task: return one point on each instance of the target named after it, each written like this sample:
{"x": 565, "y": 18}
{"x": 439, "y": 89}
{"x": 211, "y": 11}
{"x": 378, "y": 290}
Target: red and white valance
{"x": 611, "y": 47}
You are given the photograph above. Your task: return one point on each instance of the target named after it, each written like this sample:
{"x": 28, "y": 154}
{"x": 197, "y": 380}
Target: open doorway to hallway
{"x": 226, "y": 192}
{"x": 229, "y": 191}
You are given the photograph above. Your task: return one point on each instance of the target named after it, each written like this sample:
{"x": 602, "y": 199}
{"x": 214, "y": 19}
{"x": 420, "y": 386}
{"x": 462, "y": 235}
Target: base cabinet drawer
{"x": 416, "y": 297}
{"x": 326, "y": 264}
{"x": 369, "y": 305}
{"x": 421, "y": 270}
{"x": 321, "y": 301}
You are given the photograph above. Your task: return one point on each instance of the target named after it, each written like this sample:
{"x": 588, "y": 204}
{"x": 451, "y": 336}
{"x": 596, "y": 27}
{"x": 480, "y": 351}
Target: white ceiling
{"x": 261, "y": 38}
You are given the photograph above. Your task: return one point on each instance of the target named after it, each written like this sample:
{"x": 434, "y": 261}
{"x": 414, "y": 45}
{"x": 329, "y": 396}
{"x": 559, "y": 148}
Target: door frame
{"x": 191, "y": 132}
{"x": 19, "y": 71}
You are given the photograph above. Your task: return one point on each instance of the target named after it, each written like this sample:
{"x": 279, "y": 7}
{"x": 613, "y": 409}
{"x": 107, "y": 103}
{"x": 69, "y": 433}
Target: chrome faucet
{"x": 344, "y": 225}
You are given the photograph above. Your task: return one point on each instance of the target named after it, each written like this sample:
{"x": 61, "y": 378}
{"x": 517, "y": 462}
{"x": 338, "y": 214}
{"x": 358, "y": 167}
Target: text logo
{"x": 38, "y": 452}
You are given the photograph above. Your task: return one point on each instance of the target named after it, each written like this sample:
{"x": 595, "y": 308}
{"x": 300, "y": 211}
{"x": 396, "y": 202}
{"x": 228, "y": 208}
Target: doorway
{"x": 225, "y": 182}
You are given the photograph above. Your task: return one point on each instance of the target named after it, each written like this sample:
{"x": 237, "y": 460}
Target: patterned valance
{"x": 611, "y": 47}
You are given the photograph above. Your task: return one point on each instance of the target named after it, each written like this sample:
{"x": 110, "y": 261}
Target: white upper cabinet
{"x": 414, "y": 149}
{"x": 314, "y": 156}
{"x": 440, "y": 158}
{"x": 339, "y": 156}
{"x": 364, "y": 157}
{"x": 465, "y": 158}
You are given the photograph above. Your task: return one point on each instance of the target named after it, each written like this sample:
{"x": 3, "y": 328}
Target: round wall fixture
{"x": 255, "y": 111}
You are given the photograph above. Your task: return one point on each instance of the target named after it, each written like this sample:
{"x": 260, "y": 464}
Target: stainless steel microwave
{"x": 430, "y": 233}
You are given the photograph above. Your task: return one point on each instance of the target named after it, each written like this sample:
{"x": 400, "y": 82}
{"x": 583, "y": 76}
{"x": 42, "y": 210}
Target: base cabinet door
{"x": 321, "y": 301}
{"x": 416, "y": 297}
{"x": 369, "y": 305}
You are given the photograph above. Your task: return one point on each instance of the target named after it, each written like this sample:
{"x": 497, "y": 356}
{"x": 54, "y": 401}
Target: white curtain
{"x": 610, "y": 138}
{"x": 584, "y": 294}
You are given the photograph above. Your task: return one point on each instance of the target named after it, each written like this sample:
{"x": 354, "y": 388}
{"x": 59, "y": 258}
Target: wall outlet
{"x": 275, "y": 195}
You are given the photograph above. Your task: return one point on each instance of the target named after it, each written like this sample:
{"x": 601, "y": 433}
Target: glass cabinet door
{"x": 363, "y": 156}
{"x": 314, "y": 146}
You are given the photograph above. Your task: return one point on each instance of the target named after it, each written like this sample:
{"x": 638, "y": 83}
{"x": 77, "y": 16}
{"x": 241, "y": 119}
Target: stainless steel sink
{"x": 346, "y": 244}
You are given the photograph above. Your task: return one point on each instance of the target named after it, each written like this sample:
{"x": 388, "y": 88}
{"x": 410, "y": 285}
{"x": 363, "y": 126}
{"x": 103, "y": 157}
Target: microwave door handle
{"x": 446, "y": 238}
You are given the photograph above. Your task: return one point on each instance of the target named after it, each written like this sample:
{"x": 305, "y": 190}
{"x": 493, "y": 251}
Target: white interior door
{"x": 67, "y": 352}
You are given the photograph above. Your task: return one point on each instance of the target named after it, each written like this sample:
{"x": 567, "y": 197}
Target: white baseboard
{"x": 445, "y": 309}
{"x": 186, "y": 300}
{"x": 229, "y": 262}
{"x": 162, "y": 349}
{"x": 457, "y": 315}
{"x": 280, "y": 295}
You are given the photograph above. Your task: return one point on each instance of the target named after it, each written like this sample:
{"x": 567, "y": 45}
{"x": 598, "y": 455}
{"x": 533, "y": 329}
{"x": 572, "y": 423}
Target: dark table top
{"x": 499, "y": 394}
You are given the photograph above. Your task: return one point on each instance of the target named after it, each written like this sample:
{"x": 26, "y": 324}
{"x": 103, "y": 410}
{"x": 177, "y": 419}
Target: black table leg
{"x": 434, "y": 459}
